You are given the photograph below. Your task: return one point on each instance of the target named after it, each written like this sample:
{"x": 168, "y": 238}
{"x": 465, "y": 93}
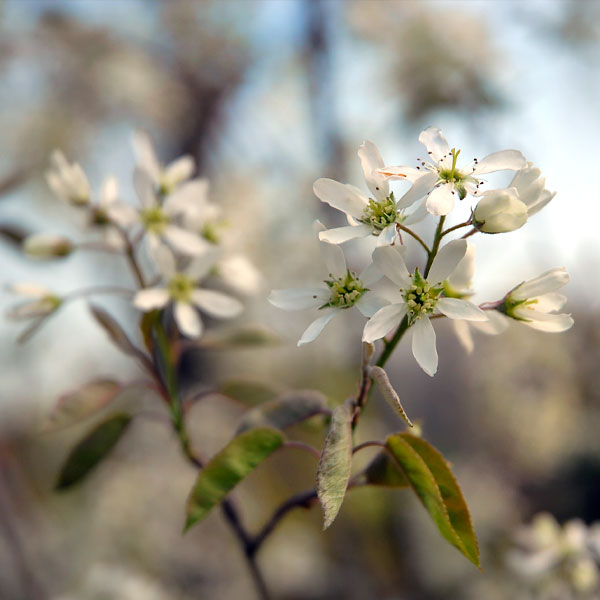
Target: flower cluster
{"x": 442, "y": 287}
{"x": 172, "y": 235}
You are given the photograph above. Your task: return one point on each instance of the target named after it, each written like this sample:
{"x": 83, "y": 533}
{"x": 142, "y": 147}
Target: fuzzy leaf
{"x": 384, "y": 470}
{"x": 117, "y": 335}
{"x": 287, "y": 410}
{"x": 91, "y": 450}
{"x": 77, "y": 405}
{"x": 434, "y": 484}
{"x": 335, "y": 463}
{"x": 228, "y": 468}
{"x": 249, "y": 393}
{"x": 389, "y": 393}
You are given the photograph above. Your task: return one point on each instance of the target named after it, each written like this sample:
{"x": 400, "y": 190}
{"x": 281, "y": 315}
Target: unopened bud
{"x": 46, "y": 245}
{"x": 500, "y": 211}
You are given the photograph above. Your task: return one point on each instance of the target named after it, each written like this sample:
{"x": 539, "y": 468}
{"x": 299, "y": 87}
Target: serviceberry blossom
{"x": 342, "y": 290}
{"x": 377, "y": 215}
{"x": 460, "y": 285}
{"x": 182, "y": 292}
{"x": 535, "y": 303}
{"x": 67, "y": 180}
{"x": 500, "y": 211}
{"x": 419, "y": 299}
{"x": 441, "y": 179}
{"x": 165, "y": 178}
{"x": 162, "y": 219}
{"x": 530, "y": 186}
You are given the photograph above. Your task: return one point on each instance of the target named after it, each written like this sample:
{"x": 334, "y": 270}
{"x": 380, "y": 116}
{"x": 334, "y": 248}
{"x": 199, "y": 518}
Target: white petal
{"x": 401, "y": 173}
{"x": 185, "y": 241}
{"x": 122, "y": 214}
{"x": 423, "y": 346}
{"x": 368, "y": 304}
{"x": 550, "y": 281}
{"x": 433, "y": 139}
{"x": 189, "y": 198}
{"x": 151, "y": 298}
{"x": 417, "y": 215}
{"x": 543, "y": 199}
{"x": 200, "y": 265}
{"x": 315, "y": 328}
{"x": 387, "y": 236}
{"x": 441, "y": 200}
{"x": 144, "y": 188}
{"x": 421, "y": 186}
{"x": 370, "y": 274}
{"x": 370, "y": 160}
{"x": 110, "y": 190}
{"x": 547, "y": 322}
{"x": 165, "y": 260}
{"x": 460, "y": 309}
{"x": 240, "y": 274}
{"x": 549, "y": 302}
{"x": 299, "y": 299}
{"x": 511, "y": 160}
{"x": 389, "y": 261}
{"x": 334, "y": 259}
{"x": 340, "y": 196}
{"x": 463, "y": 333}
{"x": 339, "y": 235}
{"x": 144, "y": 150}
{"x": 187, "y": 319}
{"x": 180, "y": 170}
{"x": 217, "y": 304}
{"x": 461, "y": 278}
{"x": 32, "y": 290}
{"x": 447, "y": 260}
{"x": 383, "y": 321}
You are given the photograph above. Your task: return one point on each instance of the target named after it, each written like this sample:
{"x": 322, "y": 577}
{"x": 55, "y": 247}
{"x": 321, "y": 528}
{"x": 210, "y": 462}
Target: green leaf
{"x": 245, "y": 337}
{"x": 77, "y": 405}
{"x": 248, "y": 392}
{"x": 118, "y": 336}
{"x": 389, "y": 393}
{"x": 287, "y": 410}
{"x": 384, "y": 470}
{"x": 335, "y": 463}
{"x": 91, "y": 450}
{"x": 434, "y": 484}
{"x": 228, "y": 468}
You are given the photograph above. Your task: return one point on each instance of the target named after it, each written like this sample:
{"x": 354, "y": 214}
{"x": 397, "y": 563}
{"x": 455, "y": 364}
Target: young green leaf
{"x": 384, "y": 470}
{"x": 434, "y": 484}
{"x": 335, "y": 463}
{"x": 77, "y": 405}
{"x": 91, "y": 450}
{"x": 389, "y": 393}
{"x": 228, "y": 468}
{"x": 287, "y": 410}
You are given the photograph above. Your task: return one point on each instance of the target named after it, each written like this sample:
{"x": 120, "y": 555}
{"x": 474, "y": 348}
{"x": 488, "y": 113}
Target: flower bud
{"x": 500, "y": 211}
{"x": 46, "y": 245}
{"x": 529, "y": 184}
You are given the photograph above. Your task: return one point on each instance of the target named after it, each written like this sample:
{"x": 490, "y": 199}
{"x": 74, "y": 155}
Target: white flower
{"x": 376, "y": 215}
{"x": 420, "y": 297}
{"x": 47, "y": 245}
{"x": 344, "y": 289}
{"x": 160, "y": 220}
{"x": 530, "y": 186}
{"x": 164, "y": 178}
{"x": 182, "y": 291}
{"x": 500, "y": 211}
{"x": 67, "y": 180}
{"x": 441, "y": 179}
{"x": 459, "y": 285}
{"x": 535, "y": 302}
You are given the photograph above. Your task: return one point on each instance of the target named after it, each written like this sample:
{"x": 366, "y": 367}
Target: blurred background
{"x": 268, "y": 96}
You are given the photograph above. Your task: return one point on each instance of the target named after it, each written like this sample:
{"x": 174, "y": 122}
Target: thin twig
{"x": 302, "y": 446}
{"x": 414, "y": 235}
{"x": 455, "y": 227}
{"x": 470, "y": 233}
{"x": 367, "y": 445}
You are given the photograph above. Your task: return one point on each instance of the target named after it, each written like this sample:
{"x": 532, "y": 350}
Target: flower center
{"x": 380, "y": 213}
{"x": 453, "y": 175}
{"x": 509, "y": 306}
{"x": 420, "y": 297}
{"x": 209, "y": 232}
{"x": 344, "y": 291}
{"x": 154, "y": 219}
{"x": 180, "y": 287}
